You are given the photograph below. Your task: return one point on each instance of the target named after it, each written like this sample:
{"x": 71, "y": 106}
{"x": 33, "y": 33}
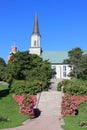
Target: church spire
{"x": 36, "y": 27}
{"x": 35, "y": 39}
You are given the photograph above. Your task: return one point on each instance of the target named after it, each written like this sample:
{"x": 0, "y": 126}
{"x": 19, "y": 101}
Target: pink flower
{"x": 69, "y": 104}
{"x": 26, "y": 103}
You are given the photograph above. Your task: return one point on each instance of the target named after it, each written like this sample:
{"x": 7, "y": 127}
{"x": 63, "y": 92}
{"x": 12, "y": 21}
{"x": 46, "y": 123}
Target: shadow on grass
{"x": 37, "y": 112}
{"x": 2, "y": 119}
{"x": 4, "y": 93}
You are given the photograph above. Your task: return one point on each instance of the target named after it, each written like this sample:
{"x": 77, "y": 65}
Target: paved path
{"x": 50, "y": 107}
{"x": 49, "y": 103}
{"x": 41, "y": 123}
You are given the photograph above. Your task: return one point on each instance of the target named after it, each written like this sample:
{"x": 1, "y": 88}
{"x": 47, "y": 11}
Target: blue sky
{"x": 62, "y": 24}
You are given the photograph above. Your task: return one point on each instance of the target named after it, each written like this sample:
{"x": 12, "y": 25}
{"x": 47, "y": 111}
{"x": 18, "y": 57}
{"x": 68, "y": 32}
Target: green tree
{"x": 75, "y": 57}
{"x": 76, "y": 60}
{"x": 8, "y": 74}
{"x": 2, "y": 68}
{"x": 31, "y": 68}
{"x": 83, "y": 66}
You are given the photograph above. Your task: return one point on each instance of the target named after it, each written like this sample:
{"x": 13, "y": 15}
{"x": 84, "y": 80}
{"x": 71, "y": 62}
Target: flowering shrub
{"x": 26, "y": 103}
{"x": 70, "y": 103}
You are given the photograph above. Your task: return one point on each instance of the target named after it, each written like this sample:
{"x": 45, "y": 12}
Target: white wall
{"x": 35, "y": 51}
{"x": 35, "y": 45}
{"x": 35, "y": 38}
{"x": 62, "y": 71}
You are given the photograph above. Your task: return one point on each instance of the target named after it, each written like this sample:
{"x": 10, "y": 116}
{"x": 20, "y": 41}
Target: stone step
{"x": 49, "y": 103}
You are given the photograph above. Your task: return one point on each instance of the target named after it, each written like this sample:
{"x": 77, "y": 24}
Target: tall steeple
{"x": 35, "y": 39}
{"x": 36, "y": 27}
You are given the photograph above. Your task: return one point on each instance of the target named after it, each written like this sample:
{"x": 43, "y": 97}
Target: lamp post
{"x": 39, "y": 94}
{"x": 62, "y": 90}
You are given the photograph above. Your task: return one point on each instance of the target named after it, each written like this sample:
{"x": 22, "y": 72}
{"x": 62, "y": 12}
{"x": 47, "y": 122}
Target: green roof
{"x": 55, "y": 56}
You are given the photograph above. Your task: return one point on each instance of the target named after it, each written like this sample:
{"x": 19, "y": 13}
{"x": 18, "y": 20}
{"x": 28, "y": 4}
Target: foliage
{"x": 74, "y": 87}
{"x": 70, "y": 103}
{"x": 26, "y": 103}
{"x": 2, "y": 68}
{"x": 31, "y": 68}
{"x": 73, "y": 122}
{"x": 78, "y": 60}
{"x": 74, "y": 56}
{"x": 27, "y": 87}
{"x": 62, "y": 83}
{"x": 8, "y": 74}
{"x": 83, "y": 66}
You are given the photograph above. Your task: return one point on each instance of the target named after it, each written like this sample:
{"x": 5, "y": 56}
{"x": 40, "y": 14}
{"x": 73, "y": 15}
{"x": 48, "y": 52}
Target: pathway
{"x": 50, "y": 107}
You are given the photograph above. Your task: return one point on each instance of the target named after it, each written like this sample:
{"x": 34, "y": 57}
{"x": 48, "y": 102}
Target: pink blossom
{"x": 26, "y": 103}
{"x": 70, "y": 102}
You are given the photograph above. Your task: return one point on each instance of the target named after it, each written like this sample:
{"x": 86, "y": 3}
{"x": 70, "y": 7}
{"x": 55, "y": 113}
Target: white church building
{"x": 55, "y": 57}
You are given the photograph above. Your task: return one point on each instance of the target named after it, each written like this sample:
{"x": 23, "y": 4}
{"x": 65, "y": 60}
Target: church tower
{"x": 35, "y": 39}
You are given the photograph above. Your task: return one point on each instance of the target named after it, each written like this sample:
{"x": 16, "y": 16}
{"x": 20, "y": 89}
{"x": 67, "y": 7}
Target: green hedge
{"x": 63, "y": 83}
{"x": 74, "y": 87}
{"x": 29, "y": 87}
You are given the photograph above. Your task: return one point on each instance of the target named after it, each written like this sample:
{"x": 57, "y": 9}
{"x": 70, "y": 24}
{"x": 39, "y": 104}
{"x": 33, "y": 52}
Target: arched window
{"x": 34, "y": 42}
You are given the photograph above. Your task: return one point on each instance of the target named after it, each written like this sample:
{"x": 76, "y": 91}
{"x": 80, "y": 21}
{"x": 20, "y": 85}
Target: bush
{"x": 28, "y": 87}
{"x": 26, "y": 103}
{"x": 74, "y": 87}
{"x": 63, "y": 83}
{"x": 70, "y": 103}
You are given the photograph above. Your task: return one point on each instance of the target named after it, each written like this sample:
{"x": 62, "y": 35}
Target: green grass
{"x": 72, "y": 122}
{"x": 3, "y": 87}
{"x": 9, "y": 110}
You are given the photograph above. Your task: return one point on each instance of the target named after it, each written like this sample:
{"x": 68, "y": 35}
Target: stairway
{"x": 49, "y": 103}
{"x": 54, "y": 83}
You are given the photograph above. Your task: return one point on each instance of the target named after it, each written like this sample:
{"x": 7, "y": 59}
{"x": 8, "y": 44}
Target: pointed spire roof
{"x": 36, "y": 27}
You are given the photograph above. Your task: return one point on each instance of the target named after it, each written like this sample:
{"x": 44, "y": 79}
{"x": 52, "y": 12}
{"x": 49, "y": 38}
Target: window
{"x": 38, "y": 43}
{"x": 64, "y": 68}
{"x": 64, "y": 74}
{"x": 34, "y": 42}
{"x": 54, "y": 68}
{"x": 64, "y": 71}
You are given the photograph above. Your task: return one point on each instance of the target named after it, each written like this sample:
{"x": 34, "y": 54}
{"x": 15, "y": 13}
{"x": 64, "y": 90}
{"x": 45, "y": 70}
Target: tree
{"x": 31, "y": 68}
{"x": 2, "y": 68}
{"x": 75, "y": 57}
{"x": 83, "y": 66}
{"x": 78, "y": 60}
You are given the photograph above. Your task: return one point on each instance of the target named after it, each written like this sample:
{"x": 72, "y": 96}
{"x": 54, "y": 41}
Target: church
{"x": 56, "y": 58}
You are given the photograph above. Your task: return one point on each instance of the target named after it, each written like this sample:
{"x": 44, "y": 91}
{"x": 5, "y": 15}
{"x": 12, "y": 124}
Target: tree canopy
{"x": 31, "y": 68}
{"x": 2, "y": 68}
{"x": 78, "y": 60}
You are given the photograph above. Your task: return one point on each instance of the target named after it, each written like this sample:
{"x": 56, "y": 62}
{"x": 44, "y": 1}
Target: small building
{"x": 56, "y": 58}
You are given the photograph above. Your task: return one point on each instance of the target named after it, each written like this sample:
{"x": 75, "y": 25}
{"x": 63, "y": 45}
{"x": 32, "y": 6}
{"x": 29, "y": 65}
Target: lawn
{"x": 72, "y": 122}
{"x": 3, "y": 86}
{"x": 9, "y": 110}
